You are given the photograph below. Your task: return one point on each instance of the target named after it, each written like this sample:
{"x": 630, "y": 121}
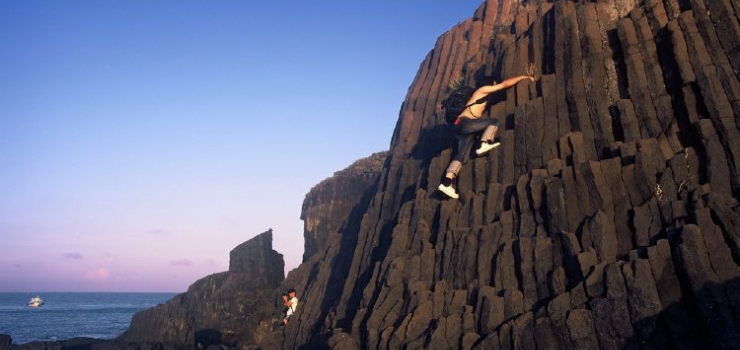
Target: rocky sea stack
{"x": 607, "y": 219}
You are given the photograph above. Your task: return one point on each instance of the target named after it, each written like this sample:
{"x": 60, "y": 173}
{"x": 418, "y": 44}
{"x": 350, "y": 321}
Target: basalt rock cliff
{"x": 607, "y": 219}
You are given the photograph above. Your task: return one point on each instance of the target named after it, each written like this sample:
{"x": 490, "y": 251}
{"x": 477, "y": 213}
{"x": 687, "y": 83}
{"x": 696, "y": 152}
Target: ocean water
{"x": 70, "y": 315}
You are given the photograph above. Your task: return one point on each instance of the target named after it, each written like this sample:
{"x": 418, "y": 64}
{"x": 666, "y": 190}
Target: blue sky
{"x": 140, "y": 141}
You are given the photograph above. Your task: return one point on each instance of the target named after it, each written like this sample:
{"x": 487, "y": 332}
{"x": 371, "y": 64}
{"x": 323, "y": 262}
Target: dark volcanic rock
{"x": 5, "y": 342}
{"x": 607, "y": 218}
{"x": 328, "y": 206}
{"x": 255, "y": 258}
{"x": 223, "y": 308}
{"x": 93, "y": 344}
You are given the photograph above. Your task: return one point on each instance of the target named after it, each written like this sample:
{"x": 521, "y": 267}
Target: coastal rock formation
{"x": 219, "y": 309}
{"x": 328, "y": 206}
{"x": 332, "y": 211}
{"x": 256, "y": 259}
{"x": 242, "y": 307}
{"x": 607, "y": 219}
{"x": 88, "y": 343}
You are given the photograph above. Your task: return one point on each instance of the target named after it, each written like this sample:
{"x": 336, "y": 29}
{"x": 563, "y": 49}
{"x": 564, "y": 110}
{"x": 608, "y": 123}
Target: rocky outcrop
{"x": 255, "y": 258}
{"x": 607, "y": 218}
{"x": 5, "y": 342}
{"x": 223, "y": 308}
{"x": 88, "y": 343}
{"x": 332, "y": 213}
{"x": 242, "y": 307}
{"x": 329, "y": 205}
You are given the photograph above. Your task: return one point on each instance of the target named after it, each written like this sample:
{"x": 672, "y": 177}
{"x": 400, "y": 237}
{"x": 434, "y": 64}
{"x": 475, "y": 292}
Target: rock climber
{"x": 291, "y": 303}
{"x": 463, "y": 108}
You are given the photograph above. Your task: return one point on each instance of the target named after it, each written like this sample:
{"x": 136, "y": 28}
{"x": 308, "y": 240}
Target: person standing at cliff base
{"x": 463, "y": 110}
{"x": 291, "y": 303}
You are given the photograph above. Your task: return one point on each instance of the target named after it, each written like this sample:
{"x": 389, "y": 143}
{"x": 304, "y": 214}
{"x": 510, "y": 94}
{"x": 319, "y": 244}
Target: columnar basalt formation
{"x": 608, "y": 218}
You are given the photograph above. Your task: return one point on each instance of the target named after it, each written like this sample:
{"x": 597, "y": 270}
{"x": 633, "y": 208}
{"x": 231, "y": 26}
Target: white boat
{"x": 35, "y": 301}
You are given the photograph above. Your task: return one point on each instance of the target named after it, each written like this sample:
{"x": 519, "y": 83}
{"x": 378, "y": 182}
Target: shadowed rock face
{"x": 256, "y": 258}
{"x": 327, "y": 207}
{"x": 608, "y": 218}
{"x": 332, "y": 213}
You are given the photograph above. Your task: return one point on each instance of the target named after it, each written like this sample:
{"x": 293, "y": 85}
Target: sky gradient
{"x": 140, "y": 141}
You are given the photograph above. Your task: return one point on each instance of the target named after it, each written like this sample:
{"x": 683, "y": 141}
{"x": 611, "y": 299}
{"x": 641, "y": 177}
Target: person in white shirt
{"x": 291, "y": 303}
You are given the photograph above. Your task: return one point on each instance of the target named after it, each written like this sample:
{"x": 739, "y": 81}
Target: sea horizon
{"x": 66, "y": 315}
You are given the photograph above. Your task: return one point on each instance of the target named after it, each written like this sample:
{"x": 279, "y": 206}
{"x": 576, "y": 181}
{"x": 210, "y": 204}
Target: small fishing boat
{"x": 35, "y": 302}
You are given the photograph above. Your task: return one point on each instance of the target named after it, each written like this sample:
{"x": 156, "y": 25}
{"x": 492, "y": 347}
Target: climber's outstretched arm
{"x": 486, "y": 90}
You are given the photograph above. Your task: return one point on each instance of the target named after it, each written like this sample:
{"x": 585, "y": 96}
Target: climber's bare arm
{"x": 477, "y": 109}
{"x": 486, "y": 90}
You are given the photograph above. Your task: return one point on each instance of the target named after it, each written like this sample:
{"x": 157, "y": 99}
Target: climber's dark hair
{"x": 456, "y": 102}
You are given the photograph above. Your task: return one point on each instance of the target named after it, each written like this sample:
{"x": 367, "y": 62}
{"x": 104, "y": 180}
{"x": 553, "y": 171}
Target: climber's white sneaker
{"x": 448, "y": 190}
{"x": 485, "y": 147}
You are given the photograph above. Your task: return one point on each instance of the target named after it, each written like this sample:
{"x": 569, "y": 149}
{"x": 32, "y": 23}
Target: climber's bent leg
{"x": 486, "y": 138}
{"x": 489, "y": 133}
